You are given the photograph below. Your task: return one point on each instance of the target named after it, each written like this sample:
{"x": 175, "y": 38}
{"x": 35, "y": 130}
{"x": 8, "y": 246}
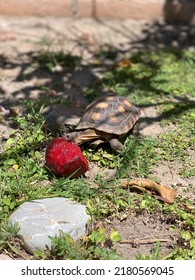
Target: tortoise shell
{"x": 111, "y": 114}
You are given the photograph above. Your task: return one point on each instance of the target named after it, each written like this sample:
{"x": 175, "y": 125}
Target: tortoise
{"x": 105, "y": 120}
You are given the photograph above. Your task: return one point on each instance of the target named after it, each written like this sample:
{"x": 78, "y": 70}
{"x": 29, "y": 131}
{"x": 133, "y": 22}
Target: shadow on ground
{"x": 56, "y": 77}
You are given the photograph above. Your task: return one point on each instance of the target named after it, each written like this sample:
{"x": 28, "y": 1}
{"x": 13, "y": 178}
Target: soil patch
{"x": 141, "y": 232}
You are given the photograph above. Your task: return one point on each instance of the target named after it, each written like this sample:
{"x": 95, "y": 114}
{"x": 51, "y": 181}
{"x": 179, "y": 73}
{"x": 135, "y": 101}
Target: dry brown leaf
{"x": 14, "y": 112}
{"x": 166, "y": 194}
{"x": 190, "y": 207}
{"x": 123, "y": 64}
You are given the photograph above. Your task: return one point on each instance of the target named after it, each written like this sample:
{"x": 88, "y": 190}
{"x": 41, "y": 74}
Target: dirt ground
{"x": 22, "y": 38}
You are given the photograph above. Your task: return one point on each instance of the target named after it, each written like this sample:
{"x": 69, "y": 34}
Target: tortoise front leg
{"x": 116, "y": 145}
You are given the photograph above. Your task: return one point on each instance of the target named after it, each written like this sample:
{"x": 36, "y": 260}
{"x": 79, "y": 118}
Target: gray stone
{"x": 39, "y": 219}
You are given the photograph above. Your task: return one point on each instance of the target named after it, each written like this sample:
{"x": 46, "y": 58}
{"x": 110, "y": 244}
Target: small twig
{"x": 161, "y": 235}
{"x": 16, "y": 252}
{"x": 190, "y": 207}
{"x": 145, "y": 241}
{"x": 170, "y": 170}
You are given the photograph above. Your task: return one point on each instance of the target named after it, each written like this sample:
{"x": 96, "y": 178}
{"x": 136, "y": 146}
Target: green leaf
{"x": 185, "y": 234}
{"x": 98, "y": 236}
{"x": 40, "y": 138}
{"x": 10, "y": 161}
{"x": 121, "y": 202}
{"x": 6, "y": 208}
{"x": 97, "y": 251}
{"x": 96, "y": 157}
{"x": 143, "y": 204}
{"x": 113, "y": 255}
{"x": 14, "y": 249}
{"x": 12, "y": 205}
{"x": 6, "y": 201}
{"x": 11, "y": 141}
{"x": 115, "y": 236}
{"x": 192, "y": 244}
{"x": 37, "y": 154}
{"x": 192, "y": 114}
{"x": 172, "y": 228}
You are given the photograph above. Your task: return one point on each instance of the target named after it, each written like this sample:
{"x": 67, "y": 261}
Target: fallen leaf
{"x": 190, "y": 207}
{"x": 166, "y": 194}
{"x": 123, "y": 64}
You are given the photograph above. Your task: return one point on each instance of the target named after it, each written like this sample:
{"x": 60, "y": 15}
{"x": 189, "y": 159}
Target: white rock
{"x": 39, "y": 219}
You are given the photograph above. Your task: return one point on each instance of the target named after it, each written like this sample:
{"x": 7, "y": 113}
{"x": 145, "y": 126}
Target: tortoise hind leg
{"x": 116, "y": 145}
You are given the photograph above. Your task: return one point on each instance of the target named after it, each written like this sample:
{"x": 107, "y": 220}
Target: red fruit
{"x": 64, "y": 158}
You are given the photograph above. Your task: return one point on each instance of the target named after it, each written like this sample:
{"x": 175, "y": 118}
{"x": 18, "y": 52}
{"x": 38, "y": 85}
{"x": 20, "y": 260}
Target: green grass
{"x": 162, "y": 78}
{"x": 50, "y": 60}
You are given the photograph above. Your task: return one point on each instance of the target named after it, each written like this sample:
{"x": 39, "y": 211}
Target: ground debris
{"x": 166, "y": 194}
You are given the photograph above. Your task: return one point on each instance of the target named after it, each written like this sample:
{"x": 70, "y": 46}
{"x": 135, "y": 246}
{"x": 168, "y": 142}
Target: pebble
{"x": 39, "y": 219}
